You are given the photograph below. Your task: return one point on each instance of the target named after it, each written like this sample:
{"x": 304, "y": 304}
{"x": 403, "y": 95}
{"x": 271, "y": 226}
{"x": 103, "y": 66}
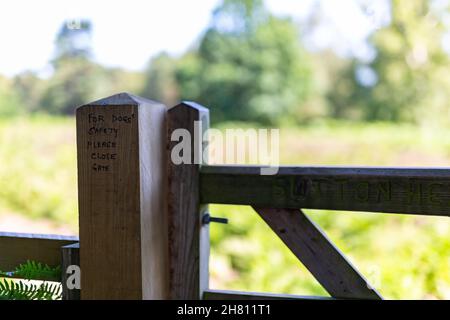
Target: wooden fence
{"x": 143, "y": 232}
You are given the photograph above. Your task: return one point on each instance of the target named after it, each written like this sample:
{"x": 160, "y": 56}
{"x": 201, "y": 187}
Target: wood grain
{"x": 241, "y": 295}
{"x": 312, "y": 247}
{"x": 188, "y": 238}
{"x": 70, "y": 256}
{"x": 121, "y": 187}
{"x": 17, "y": 248}
{"x": 392, "y": 190}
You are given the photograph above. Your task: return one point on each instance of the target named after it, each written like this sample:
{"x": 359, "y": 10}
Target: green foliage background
{"x": 405, "y": 256}
{"x": 251, "y": 65}
{"x": 253, "y": 68}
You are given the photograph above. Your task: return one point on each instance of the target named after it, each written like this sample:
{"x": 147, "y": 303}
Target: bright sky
{"x": 127, "y": 33}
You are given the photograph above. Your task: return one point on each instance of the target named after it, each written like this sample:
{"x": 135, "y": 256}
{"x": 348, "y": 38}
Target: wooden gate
{"x": 144, "y": 227}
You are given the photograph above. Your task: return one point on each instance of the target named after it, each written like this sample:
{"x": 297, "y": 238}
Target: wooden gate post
{"x": 122, "y": 198}
{"x": 70, "y": 255}
{"x": 188, "y": 236}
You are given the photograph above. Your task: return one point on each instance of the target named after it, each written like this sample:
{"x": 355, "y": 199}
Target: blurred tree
{"x": 29, "y": 88}
{"x": 407, "y": 79}
{"x": 74, "y": 40}
{"x": 332, "y": 77}
{"x": 114, "y": 80}
{"x": 76, "y": 79}
{"x": 160, "y": 80}
{"x": 249, "y": 65}
{"x": 240, "y": 16}
{"x": 72, "y": 84}
{"x": 75, "y": 76}
{"x": 410, "y": 62}
{"x": 9, "y": 99}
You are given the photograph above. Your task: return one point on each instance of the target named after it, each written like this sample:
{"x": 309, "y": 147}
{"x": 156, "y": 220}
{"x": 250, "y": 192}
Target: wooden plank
{"x": 70, "y": 257}
{"x": 391, "y": 190}
{"x": 312, "y": 247}
{"x": 122, "y": 183}
{"x": 188, "y": 238}
{"x": 242, "y": 295}
{"x": 17, "y": 248}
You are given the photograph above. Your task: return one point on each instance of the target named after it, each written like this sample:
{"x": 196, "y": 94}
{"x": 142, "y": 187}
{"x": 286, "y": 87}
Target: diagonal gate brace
{"x": 319, "y": 255}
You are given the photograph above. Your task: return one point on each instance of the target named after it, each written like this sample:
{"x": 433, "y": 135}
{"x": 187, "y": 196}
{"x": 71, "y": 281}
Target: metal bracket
{"x": 206, "y": 219}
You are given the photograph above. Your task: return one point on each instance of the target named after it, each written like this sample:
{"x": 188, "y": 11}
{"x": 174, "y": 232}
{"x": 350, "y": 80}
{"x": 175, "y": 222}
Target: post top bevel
{"x": 192, "y": 105}
{"x": 121, "y": 99}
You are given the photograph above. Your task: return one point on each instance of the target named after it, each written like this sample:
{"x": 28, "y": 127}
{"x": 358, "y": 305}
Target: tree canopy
{"x": 251, "y": 65}
{"x": 406, "y": 80}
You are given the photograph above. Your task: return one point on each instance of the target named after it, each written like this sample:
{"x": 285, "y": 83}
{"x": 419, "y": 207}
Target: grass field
{"x": 403, "y": 256}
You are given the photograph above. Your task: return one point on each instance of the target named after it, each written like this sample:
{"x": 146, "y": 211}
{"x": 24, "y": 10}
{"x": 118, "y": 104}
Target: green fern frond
{"x": 21, "y": 290}
{"x": 24, "y": 290}
{"x": 34, "y": 270}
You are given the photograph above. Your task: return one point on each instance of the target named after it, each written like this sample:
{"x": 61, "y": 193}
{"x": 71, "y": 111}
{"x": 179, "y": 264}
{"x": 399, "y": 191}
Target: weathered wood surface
{"x": 70, "y": 257}
{"x": 122, "y": 186}
{"x": 188, "y": 238}
{"x": 241, "y": 295}
{"x": 318, "y": 254}
{"x": 390, "y": 190}
{"x": 17, "y": 248}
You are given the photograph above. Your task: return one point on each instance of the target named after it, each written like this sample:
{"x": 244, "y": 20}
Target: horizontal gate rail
{"x": 421, "y": 191}
{"x": 245, "y": 295}
{"x": 17, "y": 248}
